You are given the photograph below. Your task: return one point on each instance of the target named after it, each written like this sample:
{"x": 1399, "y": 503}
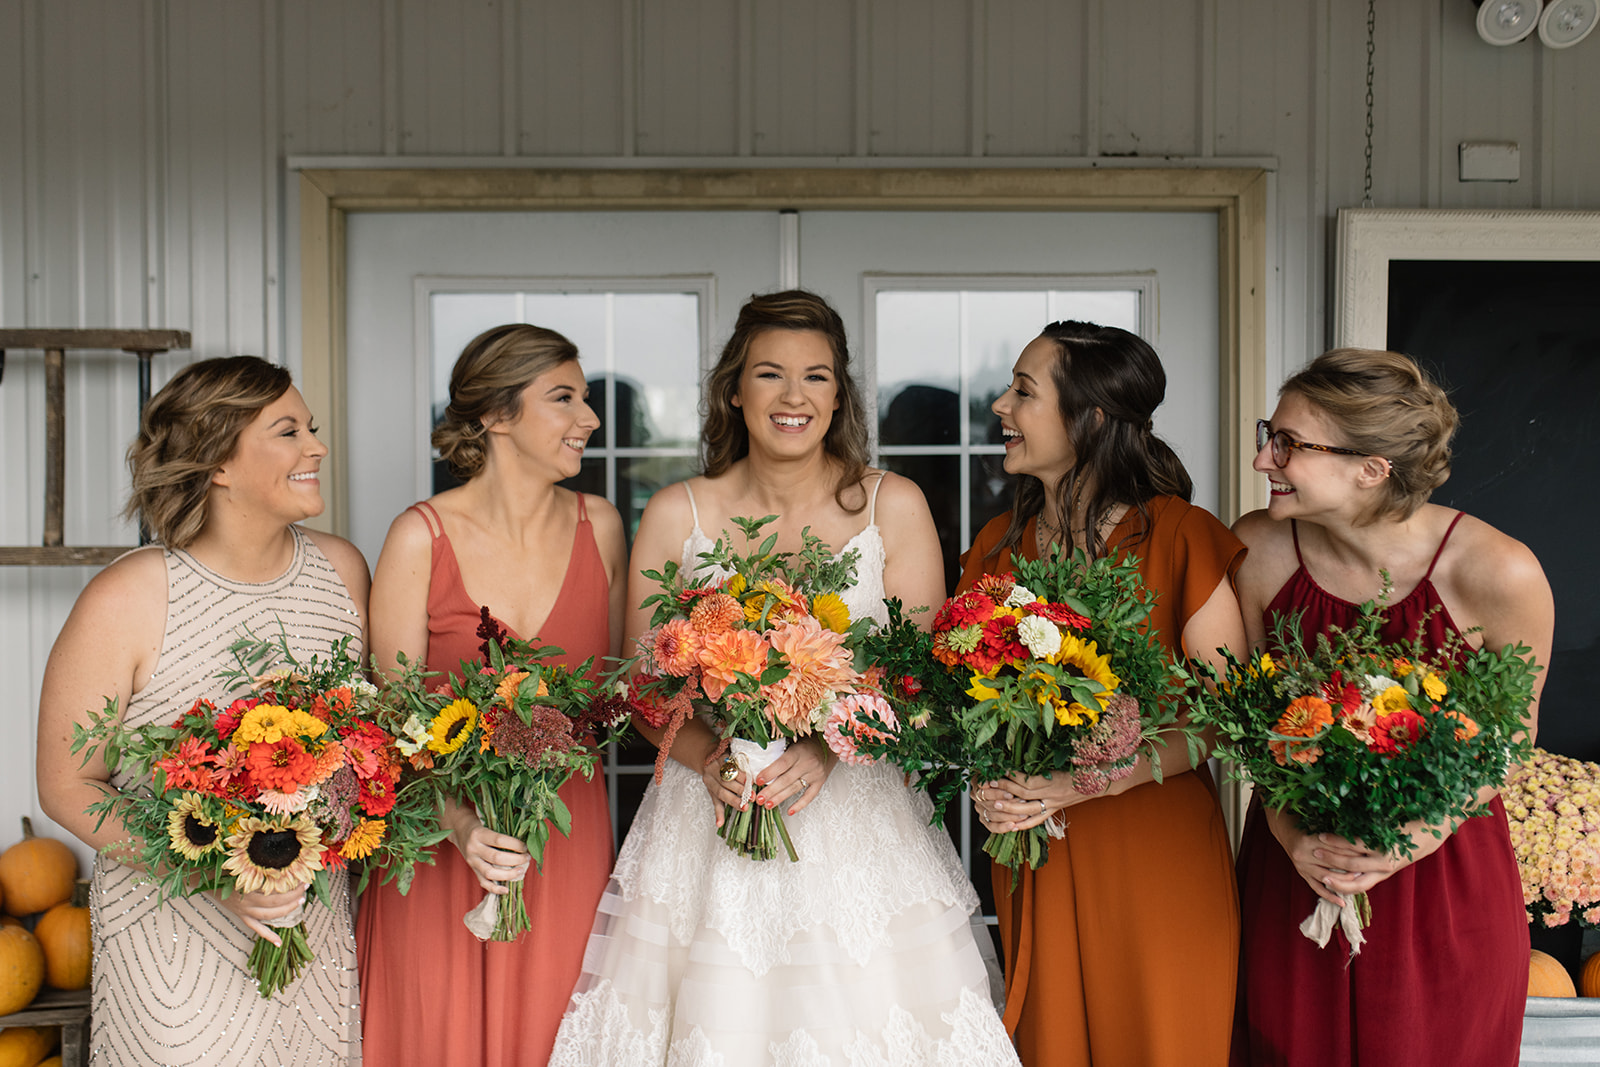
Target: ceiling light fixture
{"x": 1502, "y": 22}
{"x": 1566, "y": 22}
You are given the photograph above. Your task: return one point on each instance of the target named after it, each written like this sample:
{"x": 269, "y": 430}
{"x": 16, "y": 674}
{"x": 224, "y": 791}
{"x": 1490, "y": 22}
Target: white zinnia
{"x": 417, "y": 731}
{"x": 1020, "y": 596}
{"x": 1042, "y": 636}
{"x": 1379, "y": 683}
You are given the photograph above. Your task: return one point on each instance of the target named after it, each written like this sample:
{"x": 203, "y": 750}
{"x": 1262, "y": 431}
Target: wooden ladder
{"x": 56, "y": 344}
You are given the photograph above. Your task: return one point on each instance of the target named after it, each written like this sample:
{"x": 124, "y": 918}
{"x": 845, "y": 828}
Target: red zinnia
{"x": 377, "y": 795}
{"x": 1059, "y": 614}
{"x": 1396, "y": 731}
{"x": 970, "y": 608}
{"x": 282, "y": 766}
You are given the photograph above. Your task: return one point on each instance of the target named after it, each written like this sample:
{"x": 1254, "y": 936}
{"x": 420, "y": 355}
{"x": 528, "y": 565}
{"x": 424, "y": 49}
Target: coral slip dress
{"x": 432, "y": 993}
{"x": 1442, "y": 976}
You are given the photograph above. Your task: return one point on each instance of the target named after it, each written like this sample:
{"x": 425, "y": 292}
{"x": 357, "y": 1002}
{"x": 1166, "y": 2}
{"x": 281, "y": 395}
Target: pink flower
{"x": 818, "y": 663}
{"x": 847, "y": 725}
{"x": 677, "y": 646}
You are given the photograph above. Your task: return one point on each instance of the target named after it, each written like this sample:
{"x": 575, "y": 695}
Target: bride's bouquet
{"x": 766, "y": 648}
{"x": 267, "y": 794}
{"x": 1049, "y": 672}
{"x": 1367, "y": 739}
{"x": 506, "y": 734}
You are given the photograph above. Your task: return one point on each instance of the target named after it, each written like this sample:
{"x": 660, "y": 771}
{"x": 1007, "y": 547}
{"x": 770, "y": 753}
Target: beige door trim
{"x": 1238, "y": 196}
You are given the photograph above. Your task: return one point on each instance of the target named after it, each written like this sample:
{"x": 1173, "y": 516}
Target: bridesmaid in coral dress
{"x": 548, "y": 564}
{"x": 1442, "y": 975}
{"x": 1120, "y": 950}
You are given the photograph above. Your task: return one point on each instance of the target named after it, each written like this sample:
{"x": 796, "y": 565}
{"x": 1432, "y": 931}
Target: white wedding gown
{"x": 862, "y": 954}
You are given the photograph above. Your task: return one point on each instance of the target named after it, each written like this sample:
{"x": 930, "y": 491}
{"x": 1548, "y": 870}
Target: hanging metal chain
{"x": 1372, "y": 24}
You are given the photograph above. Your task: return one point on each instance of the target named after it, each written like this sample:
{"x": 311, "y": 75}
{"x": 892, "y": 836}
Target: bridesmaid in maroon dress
{"x": 1358, "y": 441}
{"x": 548, "y": 564}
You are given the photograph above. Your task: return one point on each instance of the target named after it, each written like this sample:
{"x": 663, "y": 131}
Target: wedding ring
{"x": 803, "y": 786}
{"x": 1041, "y": 807}
{"x": 730, "y": 769}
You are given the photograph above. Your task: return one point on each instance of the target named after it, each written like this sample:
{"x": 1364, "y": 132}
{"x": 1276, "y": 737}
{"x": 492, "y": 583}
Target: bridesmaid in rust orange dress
{"x": 548, "y": 564}
{"x": 1121, "y": 951}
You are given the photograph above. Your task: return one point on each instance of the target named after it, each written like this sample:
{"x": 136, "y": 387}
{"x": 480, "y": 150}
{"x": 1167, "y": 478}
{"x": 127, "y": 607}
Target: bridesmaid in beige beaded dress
{"x": 224, "y": 467}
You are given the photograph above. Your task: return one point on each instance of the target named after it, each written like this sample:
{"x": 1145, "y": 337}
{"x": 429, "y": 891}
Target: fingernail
{"x": 791, "y": 811}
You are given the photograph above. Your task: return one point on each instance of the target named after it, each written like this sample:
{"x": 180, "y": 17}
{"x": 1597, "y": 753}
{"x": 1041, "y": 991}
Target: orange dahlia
{"x": 677, "y": 647}
{"x": 715, "y": 613}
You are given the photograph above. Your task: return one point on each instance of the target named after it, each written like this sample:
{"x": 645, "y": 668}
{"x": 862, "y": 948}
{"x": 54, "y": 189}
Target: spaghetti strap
{"x": 583, "y": 511}
{"x": 693, "y": 509}
{"x": 1442, "y": 542}
{"x": 1294, "y": 532}
{"x": 431, "y": 517}
{"x": 872, "y": 502}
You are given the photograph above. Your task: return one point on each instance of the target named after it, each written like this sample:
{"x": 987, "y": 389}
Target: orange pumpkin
{"x": 36, "y": 873}
{"x": 1589, "y": 977}
{"x": 21, "y": 969}
{"x": 53, "y": 1061}
{"x": 1547, "y": 978}
{"x": 63, "y": 933}
{"x": 26, "y": 1046}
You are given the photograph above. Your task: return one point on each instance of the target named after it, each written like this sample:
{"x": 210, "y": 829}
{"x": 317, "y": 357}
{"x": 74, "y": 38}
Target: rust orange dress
{"x": 1122, "y": 950}
{"x": 431, "y": 993}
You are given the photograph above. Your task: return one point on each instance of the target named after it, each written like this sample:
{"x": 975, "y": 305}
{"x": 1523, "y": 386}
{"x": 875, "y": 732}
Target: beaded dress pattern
{"x": 171, "y": 985}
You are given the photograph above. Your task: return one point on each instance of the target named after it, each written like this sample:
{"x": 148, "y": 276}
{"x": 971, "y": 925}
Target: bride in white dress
{"x": 862, "y": 952}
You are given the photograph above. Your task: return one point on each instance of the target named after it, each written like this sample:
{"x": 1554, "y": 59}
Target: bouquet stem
{"x": 1019, "y": 848}
{"x": 755, "y": 832}
{"x": 511, "y": 914}
{"x": 275, "y": 966}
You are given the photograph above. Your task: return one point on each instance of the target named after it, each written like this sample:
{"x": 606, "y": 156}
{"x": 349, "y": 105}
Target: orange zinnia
{"x": 1306, "y": 716}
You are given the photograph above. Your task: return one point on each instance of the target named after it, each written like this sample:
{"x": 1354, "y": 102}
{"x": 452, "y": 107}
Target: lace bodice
{"x": 864, "y": 599}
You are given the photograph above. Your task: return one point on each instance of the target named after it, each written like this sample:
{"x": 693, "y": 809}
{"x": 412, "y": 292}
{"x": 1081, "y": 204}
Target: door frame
{"x": 1238, "y": 197}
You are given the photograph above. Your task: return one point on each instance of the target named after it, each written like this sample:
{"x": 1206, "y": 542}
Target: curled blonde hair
{"x": 187, "y": 431}
{"x": 486, "y": 385}
{"x": 1385, "y": 405}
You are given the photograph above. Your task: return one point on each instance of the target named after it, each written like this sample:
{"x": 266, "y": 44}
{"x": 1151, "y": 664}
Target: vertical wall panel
{"x": 804, "y": 78}
{"x": 1034, "y": 88}
{"x": 1574, "y": 150}
{"x": 688, "y": 81}
{"x": 332, "y": 77}
{"x": 450, "y": 77}
{"x": 1150, "y": 78}
{"x": 571, "y": 78}
{"x": 1489, "y": 93}
{"x": 920, "y": 77}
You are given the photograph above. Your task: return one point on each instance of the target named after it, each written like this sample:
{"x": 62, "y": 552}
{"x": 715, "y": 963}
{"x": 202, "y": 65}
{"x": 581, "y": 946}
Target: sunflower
{"x": 363, "y": 839}
{"x": 193, "y": 833}
{"x": 273, "y": 857}
{"x": 830, "y": 610}
{"x": 451, "y": 726}
{"x": 1085, "y": 658}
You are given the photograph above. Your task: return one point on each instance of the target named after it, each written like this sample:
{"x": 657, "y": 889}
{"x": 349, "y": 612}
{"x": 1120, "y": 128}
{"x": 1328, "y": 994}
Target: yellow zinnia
{"x": 363, "y": 839}
{"x": 829, "y": 609}
{"x": 451, "y": 727}
{"x": 265, "y": 722}
{"x": 1393, "y": 699}
{"x": 305, "y": 724}
{"x": 1434, "y": 686}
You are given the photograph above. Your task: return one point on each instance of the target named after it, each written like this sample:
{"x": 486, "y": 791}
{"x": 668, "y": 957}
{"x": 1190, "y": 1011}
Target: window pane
{"x": 999, "y": 326}
{"x": 657, "y": 364}
{"x": 457, "y": 319}
{"x": 639, "y": 478}
{"x": 939, "y": 477}
{"x": 918, "y": 352}
{"x": 991, "y": 490}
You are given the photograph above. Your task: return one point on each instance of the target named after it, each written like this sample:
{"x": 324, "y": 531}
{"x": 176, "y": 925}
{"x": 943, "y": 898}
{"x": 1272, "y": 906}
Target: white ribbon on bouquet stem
{"x": 1319, "y": 925}
{"x": 753, "y": 758}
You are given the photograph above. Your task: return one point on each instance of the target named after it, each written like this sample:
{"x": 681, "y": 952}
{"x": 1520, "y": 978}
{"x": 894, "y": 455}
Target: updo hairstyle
{"x": 724, "y": 438}
{"x": 486, "y": 386}
{"x": 187, "y": 431}
{"x": 1385, "y": 405}
{"x": 1109, "y": 383}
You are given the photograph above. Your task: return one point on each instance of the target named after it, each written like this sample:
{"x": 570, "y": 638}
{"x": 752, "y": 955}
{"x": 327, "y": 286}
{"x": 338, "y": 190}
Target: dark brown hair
{"x": 486, "y": 384}
{"x": 187, "y": 431}
{"x": 723, "y": 436}
{"x": 1104, "y": 371}
{"x": 1385, "y": 405}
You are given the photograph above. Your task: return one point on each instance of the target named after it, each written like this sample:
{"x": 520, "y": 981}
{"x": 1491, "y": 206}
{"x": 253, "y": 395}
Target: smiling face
{"x": 1036, "y": 438}
{"x": 272, "y": 474}
{"x": 788, "y": 390}
{"x": 1309, "y": 482}
{"x": 553, "y": 425}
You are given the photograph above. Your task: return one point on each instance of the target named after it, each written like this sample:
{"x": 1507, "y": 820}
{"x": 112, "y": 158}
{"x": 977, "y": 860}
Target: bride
{"x": 861, "y": 952}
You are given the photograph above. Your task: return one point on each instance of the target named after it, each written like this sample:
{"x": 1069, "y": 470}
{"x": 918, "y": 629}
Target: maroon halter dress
{"x": 1442, "y": 976}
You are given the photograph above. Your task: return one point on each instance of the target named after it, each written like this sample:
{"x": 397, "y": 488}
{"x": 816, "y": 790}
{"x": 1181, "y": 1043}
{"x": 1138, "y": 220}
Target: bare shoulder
{"x": 606, "y": 520}
{"x": 897, "y": 491}
{"x": 131, "y": 584}
{"x": 1493, "y": 570}
{"x": 670, "y": 509}
{"x": 1270, "y": 561}
{"x": 409, "y": 534}
{"x": 121, "y": 614}
{"x": 1259, "y": 530}
{"x": 347, "y": 560}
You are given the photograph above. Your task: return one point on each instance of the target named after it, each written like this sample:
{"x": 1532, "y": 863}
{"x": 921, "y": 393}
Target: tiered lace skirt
{"x": 862, "y": 953}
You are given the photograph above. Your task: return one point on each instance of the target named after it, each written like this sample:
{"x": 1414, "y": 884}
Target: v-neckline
{"x": 478, "y": 605}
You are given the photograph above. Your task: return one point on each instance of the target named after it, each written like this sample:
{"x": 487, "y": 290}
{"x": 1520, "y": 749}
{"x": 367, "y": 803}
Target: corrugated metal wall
{"x": 142, "y": 149}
